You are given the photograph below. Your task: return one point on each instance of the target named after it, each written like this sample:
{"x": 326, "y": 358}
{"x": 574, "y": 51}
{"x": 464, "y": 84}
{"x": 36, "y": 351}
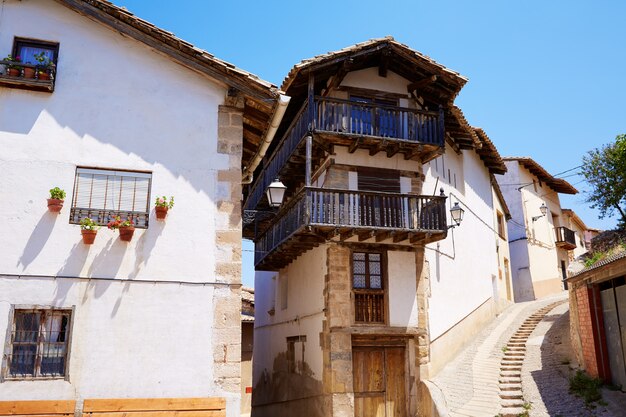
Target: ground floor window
{"x": 367, "y": 287}
{"x": 38, "y": 343}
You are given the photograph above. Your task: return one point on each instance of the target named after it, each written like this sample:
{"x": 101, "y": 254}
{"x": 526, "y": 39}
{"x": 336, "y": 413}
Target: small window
{"x": 26, "y": 49}
{"x": 373, "y": 179}
{"x": 367, "y": 286}
{"x": 295, "y": 354}
{"x": 102, "y": 194}
{"x": 501, "y": 225}
{"x": 39, "y": 342}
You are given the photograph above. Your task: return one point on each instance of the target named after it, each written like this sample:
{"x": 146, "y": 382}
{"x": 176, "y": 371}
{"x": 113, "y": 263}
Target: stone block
{"x": 233, "y": 353}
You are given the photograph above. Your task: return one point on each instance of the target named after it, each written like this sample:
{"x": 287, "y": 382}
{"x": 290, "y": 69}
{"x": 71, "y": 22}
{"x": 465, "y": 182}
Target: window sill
{"x": 32, "y": 378}
{"x": 26, "y": 83}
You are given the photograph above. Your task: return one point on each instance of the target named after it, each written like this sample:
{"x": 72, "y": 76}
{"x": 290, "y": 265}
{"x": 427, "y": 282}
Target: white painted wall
{"x": 534, "y": 255}
{"x": 462, "y": 265}
{"x": 303, "y": 315}
{"x": 402, "y": 281}
{"x": 117, "y": 104}
{"x": 505, "y": 295}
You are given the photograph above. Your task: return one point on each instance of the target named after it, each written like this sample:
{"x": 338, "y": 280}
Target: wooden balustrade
{"x": 349, "y": 118}
{"x": 373, "y": 119}
{"x": 360, "y": 210}
{"x": 565, "y": 238}
{"x": 369, "y": 306}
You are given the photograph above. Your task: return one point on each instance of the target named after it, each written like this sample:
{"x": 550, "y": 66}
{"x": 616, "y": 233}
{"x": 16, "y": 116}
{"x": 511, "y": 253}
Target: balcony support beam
{"x": 309, "y": 152}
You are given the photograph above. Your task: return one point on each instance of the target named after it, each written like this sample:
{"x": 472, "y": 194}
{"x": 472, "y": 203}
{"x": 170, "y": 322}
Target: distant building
{"x": 539, "y": 236}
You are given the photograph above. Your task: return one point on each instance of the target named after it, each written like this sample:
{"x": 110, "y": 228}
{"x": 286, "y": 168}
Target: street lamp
{"x": 456, "y": 213}
{"x": 275, "y": 193}
{"x": 544, "y": 211}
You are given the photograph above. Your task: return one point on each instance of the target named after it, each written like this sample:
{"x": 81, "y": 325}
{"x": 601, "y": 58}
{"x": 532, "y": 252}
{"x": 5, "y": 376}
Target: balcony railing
{"x": 353, "y": 210}
{"x": 27, "y": 76}
{"x": 350, "y": 118}
{"x": 369, "y": 306}
{"x": 565, "y": 238}
{"x": 372, "y": 119}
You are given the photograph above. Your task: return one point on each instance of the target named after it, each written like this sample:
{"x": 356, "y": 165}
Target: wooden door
{"x": 379, "y": 381}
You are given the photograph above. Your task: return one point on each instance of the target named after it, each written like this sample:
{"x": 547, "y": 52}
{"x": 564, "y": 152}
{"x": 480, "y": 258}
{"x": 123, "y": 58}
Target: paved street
{"x": 485, "y": 378}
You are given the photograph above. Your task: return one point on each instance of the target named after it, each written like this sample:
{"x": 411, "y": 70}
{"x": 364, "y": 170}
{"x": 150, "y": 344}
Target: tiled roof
{"x": 603, "y": 262}
{"x": 489, "y": 153}
{"x": 557, "y": 184}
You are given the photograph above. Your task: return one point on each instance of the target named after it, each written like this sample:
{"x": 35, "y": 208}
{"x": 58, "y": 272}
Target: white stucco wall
{"x": 535, "y": 259}
{"x": 302, "y": 317}
{"x": 462, "y": 265}
{"x": 402, "y": 289}
{"x": 117, "y": 104}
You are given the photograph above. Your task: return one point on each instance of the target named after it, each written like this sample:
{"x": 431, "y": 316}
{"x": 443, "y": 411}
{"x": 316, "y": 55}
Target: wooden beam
{"x": 378, "y": 148}
{"x": 384, "y": 236}
{"x": 153, "y": 404}
{"x": 399, "y": 237}
{"x": 336, "y": 79}
{"x": 421, "y": 83}
{"x": 384, "y": 63}
{"x": 355, "y": 145}
{"x": 392, "y": 150}
{"x": 346, "y": 235}
{"x": 9, "y": 408}
{"x": 366, "y": 235}
{"x": 416, "y": 150}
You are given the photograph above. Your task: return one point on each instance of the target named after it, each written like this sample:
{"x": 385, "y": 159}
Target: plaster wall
{"x": 462, "y": 265}
{"x": 139, "y": 118}
{"x": 402, "y": 289}
{"x": 504, "y": 284}
{"x": 302, "y": 316}
{"x": 536, "y": 260}
{"x": 119, "y": 105}
{"x": 124, "y": 343}
{"x": 369, "y": 78}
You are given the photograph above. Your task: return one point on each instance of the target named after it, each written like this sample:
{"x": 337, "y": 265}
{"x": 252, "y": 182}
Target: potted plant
{"x": 55, "y": 202}
{"x": 89, "y": 230}
{"x": 13, "y": 70}
{"x": 29, "y": 72}
{"x": 43, "y": 66}
{"x": 126, "y": 228}
{"x": 162, "y": 205}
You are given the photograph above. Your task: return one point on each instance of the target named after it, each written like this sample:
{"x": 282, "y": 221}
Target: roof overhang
{"x": 557, "y": 184}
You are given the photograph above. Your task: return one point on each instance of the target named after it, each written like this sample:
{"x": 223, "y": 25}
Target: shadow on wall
{"x": 523, "y": 288}
{"x": 288, "y": 393}
{"x": 38, "y": 238}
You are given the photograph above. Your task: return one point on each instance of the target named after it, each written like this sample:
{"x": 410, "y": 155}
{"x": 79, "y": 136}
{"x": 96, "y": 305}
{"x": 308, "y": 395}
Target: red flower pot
{"x": 88, "y": 236}
{"x": 55, "y": 205}
{"x": 29, "y": 72}
{"x": 161, "y": 212}
{"x": 14, "y": 72}
{"x": 44, "y": 76}
{"x": 126, "y": 233}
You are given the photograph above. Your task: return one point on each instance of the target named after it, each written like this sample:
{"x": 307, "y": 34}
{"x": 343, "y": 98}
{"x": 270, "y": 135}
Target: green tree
{"x": 605, "y": 170}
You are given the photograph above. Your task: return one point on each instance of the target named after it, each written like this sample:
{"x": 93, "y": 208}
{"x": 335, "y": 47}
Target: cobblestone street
{"x": 469, "y": 384}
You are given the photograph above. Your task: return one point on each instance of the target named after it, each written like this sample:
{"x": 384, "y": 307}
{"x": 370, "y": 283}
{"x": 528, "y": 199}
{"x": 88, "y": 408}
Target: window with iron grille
{"x": 39, "y": 342}
{"x": 102, "y": 194}
{"x": 367, "y": 286}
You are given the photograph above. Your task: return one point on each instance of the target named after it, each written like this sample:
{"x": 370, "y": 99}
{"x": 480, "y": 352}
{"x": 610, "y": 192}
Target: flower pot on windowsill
{"x": 43, "y": 76}
{"x": 55, "y": 205}
{"x": 29, "y": 72}
{"x": 126, "y": 233}
{"x": 14, "y": 72}
{"x": 161, "y": 212}
{"x": 89, "y": 236}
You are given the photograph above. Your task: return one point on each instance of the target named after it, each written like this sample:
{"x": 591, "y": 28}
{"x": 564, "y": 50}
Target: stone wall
{"x": 227, "y": 298}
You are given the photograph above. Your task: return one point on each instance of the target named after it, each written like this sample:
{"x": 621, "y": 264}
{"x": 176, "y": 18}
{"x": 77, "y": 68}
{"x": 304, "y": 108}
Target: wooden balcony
{"x": 565, "y": 238}
{"x": 414, "y": 133}
{"x": 20, "y": 81}
{"x": 315, "y": 215}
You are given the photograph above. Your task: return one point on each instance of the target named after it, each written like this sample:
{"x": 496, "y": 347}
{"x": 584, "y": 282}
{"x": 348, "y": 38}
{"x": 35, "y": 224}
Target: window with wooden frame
{"x": 501, "y": 225}
{"x": 102, "y": 194}
{"x": 38, "y": 343}
{"x": 368, "y": 288}
{"x": 26, "y": 49}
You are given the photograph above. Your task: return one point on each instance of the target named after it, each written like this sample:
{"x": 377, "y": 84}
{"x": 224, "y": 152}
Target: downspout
{"x": 248, "y": 172}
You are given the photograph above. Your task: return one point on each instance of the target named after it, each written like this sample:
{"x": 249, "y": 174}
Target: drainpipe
{"x": 248, "y": 172}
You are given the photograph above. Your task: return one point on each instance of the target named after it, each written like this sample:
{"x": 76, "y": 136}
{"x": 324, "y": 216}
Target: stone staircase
{"x": 510, "y": 381}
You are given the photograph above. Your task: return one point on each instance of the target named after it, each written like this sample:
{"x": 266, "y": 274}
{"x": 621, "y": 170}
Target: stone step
{"x": 504, "y": 368}
{"x": 516, "y": 345}
{"x": 514, "y": 354}
{"x": 512, "y": 395}
{"x": 512, "y": 403}
{"x": 510, "y": 380}
{"x": 510, "y": 386}
{"x": 512, "y": 412}
{"x": 510, "y": 374}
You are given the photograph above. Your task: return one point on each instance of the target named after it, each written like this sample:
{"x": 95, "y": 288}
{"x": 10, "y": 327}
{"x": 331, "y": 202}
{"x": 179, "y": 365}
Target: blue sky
{"x": 547, "y": 79}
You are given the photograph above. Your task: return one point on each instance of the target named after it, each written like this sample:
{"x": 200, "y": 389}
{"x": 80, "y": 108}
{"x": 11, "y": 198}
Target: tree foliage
{"x": 605, "y": 171}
